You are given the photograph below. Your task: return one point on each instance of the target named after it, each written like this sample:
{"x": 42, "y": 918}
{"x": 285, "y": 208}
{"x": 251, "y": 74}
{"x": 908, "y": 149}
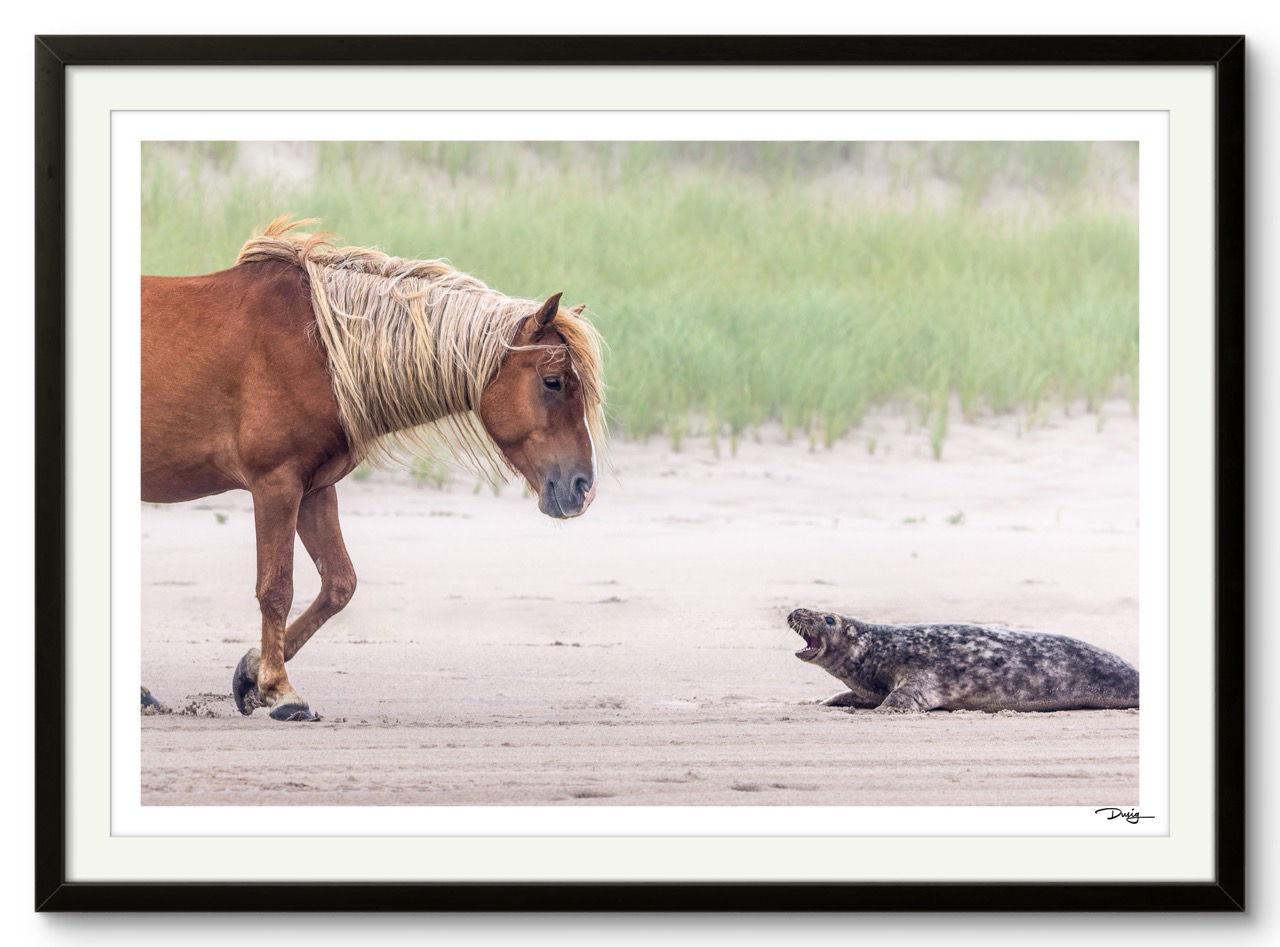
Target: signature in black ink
{"x": 1129, "y": 815}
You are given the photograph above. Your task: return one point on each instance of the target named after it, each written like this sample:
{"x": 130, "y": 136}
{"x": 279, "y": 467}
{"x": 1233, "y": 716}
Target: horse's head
{"x": 535, "y": 409}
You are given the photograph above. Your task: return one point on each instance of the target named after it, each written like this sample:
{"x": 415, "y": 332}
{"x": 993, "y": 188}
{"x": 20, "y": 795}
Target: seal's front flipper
{"x": 914, "y": 696}
{"x": 850, "y": 699}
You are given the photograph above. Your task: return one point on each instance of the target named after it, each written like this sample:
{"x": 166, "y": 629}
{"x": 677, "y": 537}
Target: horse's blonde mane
{"x": 412, "y": 344}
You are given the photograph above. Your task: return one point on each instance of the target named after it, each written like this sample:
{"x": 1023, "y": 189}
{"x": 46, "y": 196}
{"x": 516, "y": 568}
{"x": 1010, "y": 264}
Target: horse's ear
{"x": 542, "y": 318}
{"x": 578, "y": 309}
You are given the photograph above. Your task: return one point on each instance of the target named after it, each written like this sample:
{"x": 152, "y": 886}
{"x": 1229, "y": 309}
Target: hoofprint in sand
{"x": 640, "y": 655}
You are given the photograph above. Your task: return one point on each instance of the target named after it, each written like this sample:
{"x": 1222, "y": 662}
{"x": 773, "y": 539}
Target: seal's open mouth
{"x": 812, "y": 643}
{"x": 811, "y": 647}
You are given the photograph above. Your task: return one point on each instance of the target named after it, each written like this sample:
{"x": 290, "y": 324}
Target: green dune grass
{"x": 738, "y": 283}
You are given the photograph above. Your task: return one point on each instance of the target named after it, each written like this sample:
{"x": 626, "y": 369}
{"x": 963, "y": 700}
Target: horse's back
{"x": 232, "y": 380}
{"x": 221, "y": 306}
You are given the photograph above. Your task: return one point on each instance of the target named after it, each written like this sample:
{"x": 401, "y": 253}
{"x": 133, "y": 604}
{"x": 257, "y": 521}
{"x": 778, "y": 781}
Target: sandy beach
{"x": 639, "y": 655}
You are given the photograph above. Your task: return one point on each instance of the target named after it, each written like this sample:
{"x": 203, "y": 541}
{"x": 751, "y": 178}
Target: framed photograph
{"x": 749, "y": 449}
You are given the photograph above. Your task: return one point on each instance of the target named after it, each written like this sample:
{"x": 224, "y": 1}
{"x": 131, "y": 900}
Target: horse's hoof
{"x": 148, "y": 700}
{"x": 244, "y": 683}
{"x": 292, "y": 711}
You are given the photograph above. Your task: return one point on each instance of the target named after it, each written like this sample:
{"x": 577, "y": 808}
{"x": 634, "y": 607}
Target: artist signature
{"x": 1129, "y": 815}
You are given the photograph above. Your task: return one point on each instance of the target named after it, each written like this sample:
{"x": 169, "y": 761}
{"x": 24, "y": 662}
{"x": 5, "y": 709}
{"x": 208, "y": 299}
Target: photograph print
{"x": 640, "y": 474}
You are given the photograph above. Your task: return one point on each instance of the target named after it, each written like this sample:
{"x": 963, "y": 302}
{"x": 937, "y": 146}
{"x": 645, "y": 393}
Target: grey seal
{"x": 916, "y": 668}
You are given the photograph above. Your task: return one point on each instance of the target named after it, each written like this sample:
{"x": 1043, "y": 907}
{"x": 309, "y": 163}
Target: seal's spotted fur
{"x": 961, "y": 667}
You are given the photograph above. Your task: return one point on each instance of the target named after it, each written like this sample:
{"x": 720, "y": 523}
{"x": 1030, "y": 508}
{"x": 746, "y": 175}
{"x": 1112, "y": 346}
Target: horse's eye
{"x": 551, "y": 383}
{"x": 830, "y": 620}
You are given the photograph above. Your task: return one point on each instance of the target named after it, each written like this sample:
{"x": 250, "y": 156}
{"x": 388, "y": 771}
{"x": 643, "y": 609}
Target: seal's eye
{"x": 552, "y": 383}
{"x": 830, "y": 620}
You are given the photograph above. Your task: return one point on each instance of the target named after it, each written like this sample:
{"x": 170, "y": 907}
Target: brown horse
{"x": 279, "y": 375}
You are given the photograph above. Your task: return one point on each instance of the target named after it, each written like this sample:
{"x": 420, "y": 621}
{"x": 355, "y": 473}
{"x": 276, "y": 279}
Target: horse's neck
{"x": 417, "y": 400}
{"x": 394, "y": 371}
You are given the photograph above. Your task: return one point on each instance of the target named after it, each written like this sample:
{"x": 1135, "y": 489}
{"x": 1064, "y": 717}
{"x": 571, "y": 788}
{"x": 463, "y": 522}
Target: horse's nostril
{"x": 580, "y": 486}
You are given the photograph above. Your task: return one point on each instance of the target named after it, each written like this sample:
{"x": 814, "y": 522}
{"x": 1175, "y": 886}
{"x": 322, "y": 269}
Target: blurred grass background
{"x": 736, "y": 283}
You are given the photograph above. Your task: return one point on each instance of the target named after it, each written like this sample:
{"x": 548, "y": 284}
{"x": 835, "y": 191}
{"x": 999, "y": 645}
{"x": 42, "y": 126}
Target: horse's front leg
{"x": 321, "y": 534}
{"x": 260, "y": 679}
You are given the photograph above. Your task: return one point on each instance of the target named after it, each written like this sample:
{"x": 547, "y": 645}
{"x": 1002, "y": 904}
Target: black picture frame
{"x": 53, "y": 54}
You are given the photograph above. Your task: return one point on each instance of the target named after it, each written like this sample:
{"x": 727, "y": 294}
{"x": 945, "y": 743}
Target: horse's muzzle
{"x": 564, "y": 498}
